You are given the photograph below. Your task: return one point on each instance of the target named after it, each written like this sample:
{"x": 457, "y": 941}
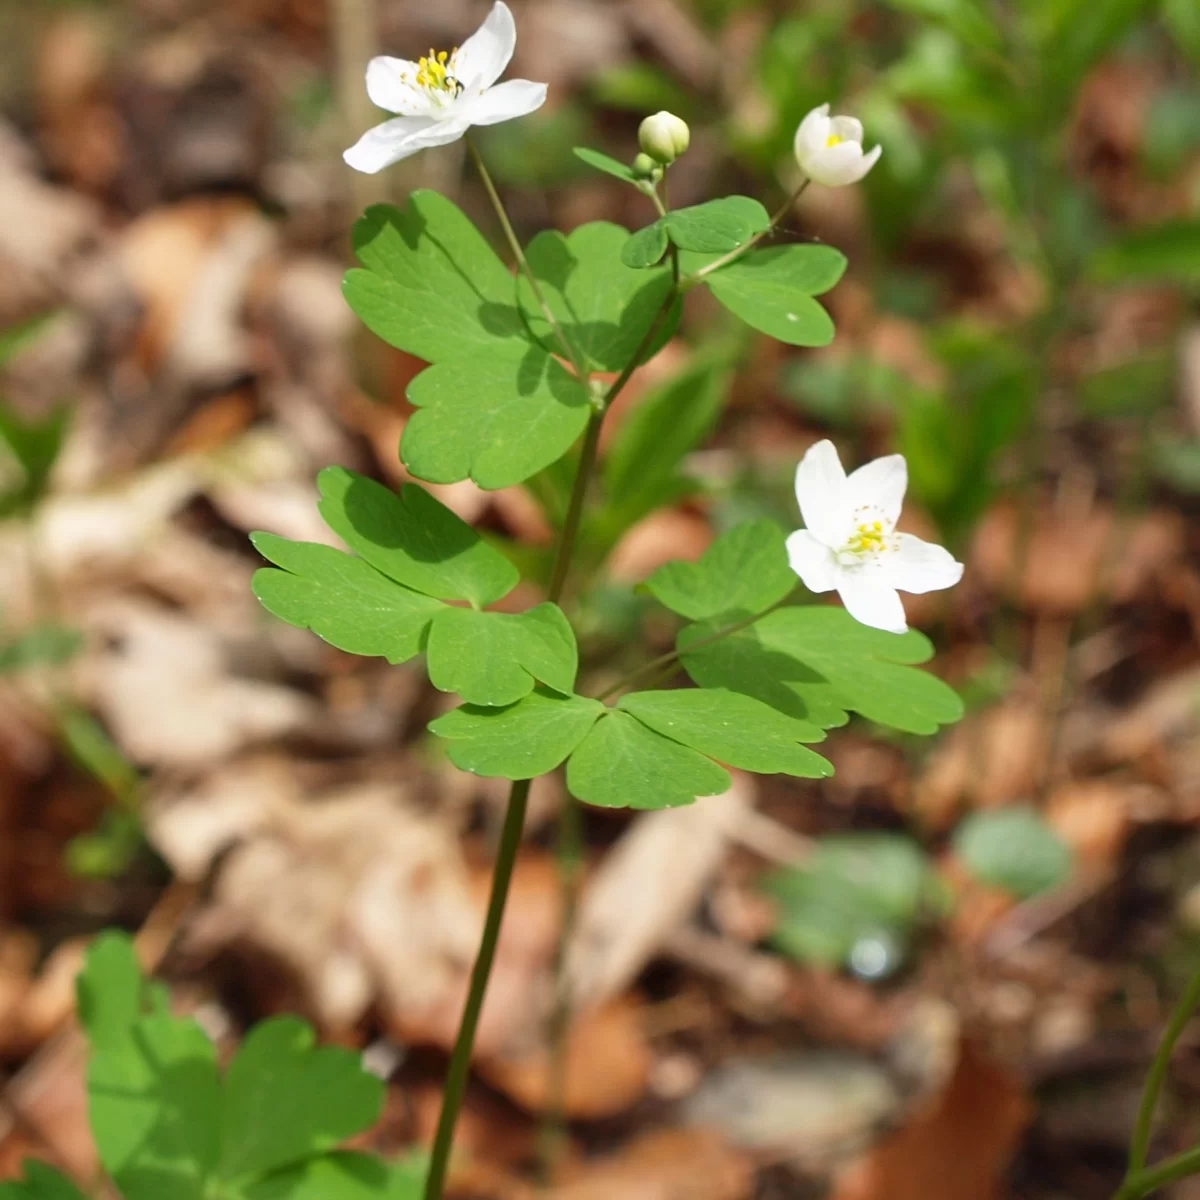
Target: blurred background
{"x": 944, "y": 970}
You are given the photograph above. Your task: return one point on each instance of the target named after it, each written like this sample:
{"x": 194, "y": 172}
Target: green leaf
{"x": 645, "y": 247}
{"x": 341, "y": 1175}
{"x": 603, "y": 307}
{"x": 852, "y": 887}
{"x": 717, "y": 226}
{"x": 1013, "y": 848}
{"x": 521, "y": 741}
{"x": 669, "y": 421}
{"x": 341, "y": 599}
{"x": 606, "y": 163}
{"x": 413, "y": 539}
{"x": 35, "y": 445}
{"x": 17, "y": 337}
{"x": 41, "y": 1182}
{"x": 816, "y": 662}
{"x": 743, "y": 572}
{"x": 623, "y": 764}
{"x": 498, "y": 417}
{"x": 1170, "y": 252}
{"x": 47, "y": 644}
{"x": 155, "y": 1108}
{"x": 286, "y": 1099}
{"x": 772, "y": 289}
{"x": 496, "y": 658}
{"x": 430, "y": 284}
{"x": 111, "y": 992}
{"x": 732, "y": 728}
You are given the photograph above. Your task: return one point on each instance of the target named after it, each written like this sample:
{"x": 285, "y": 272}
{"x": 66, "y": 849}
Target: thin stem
{"x": 514, "y": 244}
{"x": 460, "y": 1059}
{"x": 1140, "y": 1143}
{"x": 656, "y": 665}
{"x": 570, "y": 870}
{"x": 354, "y": 30}
{"x": 717, "y": 263}
{"x": 1179, "y": 1166}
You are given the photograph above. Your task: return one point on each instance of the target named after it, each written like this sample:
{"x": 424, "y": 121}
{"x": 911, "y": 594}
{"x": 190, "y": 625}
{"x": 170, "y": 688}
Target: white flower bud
{"x": 664, "y": 137}
{"x": 829, "y": 149}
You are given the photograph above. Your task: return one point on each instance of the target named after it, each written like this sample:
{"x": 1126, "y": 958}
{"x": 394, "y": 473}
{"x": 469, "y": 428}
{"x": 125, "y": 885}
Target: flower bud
{"x": 664, "y": 137}
{"x": 645, "y": 166}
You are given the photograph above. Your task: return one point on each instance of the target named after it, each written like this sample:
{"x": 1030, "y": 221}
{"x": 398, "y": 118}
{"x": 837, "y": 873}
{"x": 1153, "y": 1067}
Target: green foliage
{"x": 521, "y": 741}
{"x": 41, "y": 645}
{"x": 1013, "y": 848}
{"x": 34, "y": 445}
{"x": 497, "y": 416}
{"x": 606, "y": 163}
{"x": 745, "y": 571}
{"x": 732, "y": 728}
{"x": 603, "y": 306}
{"x": 496, "y": 658}
{"x": 1169, "y": 252}
{"x": 646, "y": 247}
{"x": 40, "y": 1182}
{"x": 852, "y": 888}
{"x": 622, "y": 763}
{"x": 772, "y": 290}
{"x": 818, "y": 663}
{"x": 167, "y": 1123}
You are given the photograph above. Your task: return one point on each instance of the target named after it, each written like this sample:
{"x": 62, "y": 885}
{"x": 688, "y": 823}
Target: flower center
{"x": 868, "y": 538}
{"x": 435, "y": 72}
{"x": 834, "y": 139}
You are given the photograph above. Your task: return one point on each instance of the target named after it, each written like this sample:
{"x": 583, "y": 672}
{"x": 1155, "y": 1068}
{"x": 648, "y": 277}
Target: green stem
{"x": 460, "y": 1059}
{"x": 522, "y": 262}
{"x": 656, "y": 665}
{"x": 1142, "y": 1182}
{"x": 1140, "y": 1144}
{"x": 777, "y": 216}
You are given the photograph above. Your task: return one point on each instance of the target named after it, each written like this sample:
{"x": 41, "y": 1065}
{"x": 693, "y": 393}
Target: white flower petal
{"x": 871, "y": 601}
{"x": 481, "y": 59}
{"x": 505, "y": 101}
{"x": 812, "y": 133}
{"x": 836, "y": 166}
{"x": 816, "y": 564}
{"x": 880, "y": 485}
{"x": 387, "y": 87}
{"x": 868, "y": 161}
{"x": 917, "y": 566}
{"x": 398, "y": 139}
{"x": 822, "y": 495}
{"x": 849, "y": 129}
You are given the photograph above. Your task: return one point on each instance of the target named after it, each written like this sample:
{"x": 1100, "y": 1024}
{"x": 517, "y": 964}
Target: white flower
{"x": 850, "y": 543}
{"x": 829, "y": 149}
{"x": 442, "y": 95}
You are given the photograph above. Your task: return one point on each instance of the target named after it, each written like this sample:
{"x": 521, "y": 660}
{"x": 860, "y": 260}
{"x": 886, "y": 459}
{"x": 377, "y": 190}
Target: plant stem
{"x": 1140, "y": 1143}
{"x": 655, "y": 665}
{"x": 522, "y": 262}
{"x": 460, "y": 1059}
{"x": 1142, "y": 1182}
{"x": 717, "y": 263}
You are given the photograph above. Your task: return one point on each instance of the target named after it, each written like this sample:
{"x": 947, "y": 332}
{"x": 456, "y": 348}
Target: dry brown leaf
{"x": 1092, "y": 817}
{"x": 664, "y": 535}
{"x": 956, "y": 1151}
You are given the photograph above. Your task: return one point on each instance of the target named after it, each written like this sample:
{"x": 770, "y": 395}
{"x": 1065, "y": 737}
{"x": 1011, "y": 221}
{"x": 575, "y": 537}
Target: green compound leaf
{"x": 286, "y": 1100}
{"x": 41, "y": 1182}
{"x": 717, "y": 226}
{"x": 523, "y": 740}
{"x": 743, "y": 572}
{"x": 111, "y": 992}
{"x": 732, "y": 728}
{"x": 413, "y": 539}
{"x": 623, "y": 764}
{"x": 495, "y": 658}
{"x": 645, "y": 247}
{"x": 155, "y": 1109}
{"x": 817, "y": 662}
{"x": 603, "y": 307}
{"x": 605, "y": 163}
{"x": 341, "y": 599}
{"x": 772, "y": 291}
{"x": 852, "y": 887}
{"x": 498, "y": 416}
{"x": 341, "y": 1175}
{"x": 430, "y": 283}
{"x": 1013, "y": 848}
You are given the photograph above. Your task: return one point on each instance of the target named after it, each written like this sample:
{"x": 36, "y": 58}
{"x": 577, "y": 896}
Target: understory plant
{"x": 523, "y": 371}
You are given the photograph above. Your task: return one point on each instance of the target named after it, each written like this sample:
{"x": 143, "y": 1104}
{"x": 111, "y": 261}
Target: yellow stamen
{"x": 434, "y": 72}
{"x": 834, "y": 140}
{"x": 869, "y": 537}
